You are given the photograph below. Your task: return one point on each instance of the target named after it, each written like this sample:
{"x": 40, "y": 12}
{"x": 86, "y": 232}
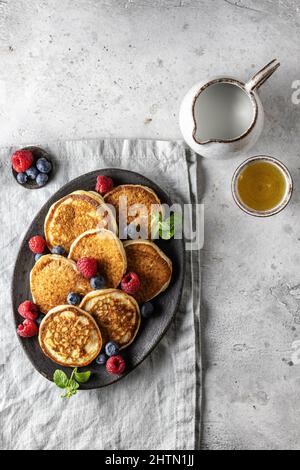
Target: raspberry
{"x": 104, "y": 184}
{"x": 115, "y": 365}
{"x": 37, "y": 244}
{"x": 28, "y": 310}
{"x": 88, "y": 267}
{"x": 130, "y": 283}
{"x": 22, "y": 160}
{"x": 28, "y": 329}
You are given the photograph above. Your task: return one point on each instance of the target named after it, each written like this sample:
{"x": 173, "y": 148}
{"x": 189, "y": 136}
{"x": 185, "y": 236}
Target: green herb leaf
{"x": 169, "y": 227}
{"x": 71, "y": 389}
{"x": 155, "y": 223}
{"x": 82, "y": 377}
{"x": 70, "y": 385}
{"x": 73, "y": 385}
{"x": 60, "y": 379}
{"x": 69, "y": 393}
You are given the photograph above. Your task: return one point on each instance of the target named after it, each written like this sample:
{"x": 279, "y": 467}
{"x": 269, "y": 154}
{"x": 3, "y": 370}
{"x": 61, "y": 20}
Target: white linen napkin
{"x": 157, "y": 405}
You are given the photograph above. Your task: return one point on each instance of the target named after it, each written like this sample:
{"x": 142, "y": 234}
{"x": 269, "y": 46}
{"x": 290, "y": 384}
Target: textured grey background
{"x": 86, "y": 68}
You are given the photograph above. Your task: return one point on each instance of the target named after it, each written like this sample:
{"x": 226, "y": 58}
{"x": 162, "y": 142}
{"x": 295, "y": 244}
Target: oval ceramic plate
{"x": 151, "y": 330}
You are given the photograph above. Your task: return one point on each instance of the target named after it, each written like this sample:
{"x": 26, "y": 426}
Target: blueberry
{"x": 131, "y": 231}
{"x": 97, "y": 282}
{"x": 101, "y": 359}
{"x": 111, "y": 349}
{"x": 73, "y": 298}
{"x": 32, "y": 172}
{"x": 147, "y": 310}
{"x": 41, "y": 179}
{"x": 58, "y": 250}
{"x": 43, "y": 165}
{"x": 22, "y": 178}
{"x": 39, "y": 319}
{"x": 38, "y": 256}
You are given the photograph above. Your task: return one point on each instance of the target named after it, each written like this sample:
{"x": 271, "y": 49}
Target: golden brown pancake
{"x": 152, "y": 266}
{"x": 70, "y": 336}
{"x": 52, "y": 278}
{"x": 74, "y": 214}
{"x": 136, "y": 195}
{"x": 116, "y": 313}
{"x": 107, "y": 249}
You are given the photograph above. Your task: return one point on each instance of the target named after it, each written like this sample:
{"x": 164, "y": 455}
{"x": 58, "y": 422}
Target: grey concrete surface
{"x": 92, "y": 68}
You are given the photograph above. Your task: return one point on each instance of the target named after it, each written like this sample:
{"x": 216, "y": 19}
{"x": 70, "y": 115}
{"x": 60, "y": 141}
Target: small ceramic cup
{"x": 288, "y": 191}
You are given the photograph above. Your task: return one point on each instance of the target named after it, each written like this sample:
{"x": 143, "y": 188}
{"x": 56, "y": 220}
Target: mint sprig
{"x": 70, "y": 385}
{"x": 168, "y": 227}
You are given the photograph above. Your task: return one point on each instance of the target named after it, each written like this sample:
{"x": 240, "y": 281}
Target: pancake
{"x": 116, "y": 313}
{"x": 152, "y": 266}
{"x": 70, "y": 336}
{"x": 136, "y": 195}
{"x": 107, "y": 249}
{"x": 52, "y": 278}
{"x": 74, "y": 214}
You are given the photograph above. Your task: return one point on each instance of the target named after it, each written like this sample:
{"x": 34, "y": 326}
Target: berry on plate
{"x": 42, "y": 179}
{"x": 147, "y": 310}
{"x": 132, "y": 231}
{"x": 129, "y": 231}
{"x": 28, "y": 310}
{"x": 28, "y": 329}
{"x": 88, "y": 267}
{"x": 74, "y": 299}
{"x": 38, "y": 256}
{"x": 39, "y": 319}
{"x": 58, "y": 250}
{"x": 101, "y": 359}
{"x": 115, "y": 365}
{"x": 130, "y": 283}
{"x": 43, "y": 165}
{"x": 32, "y": 172}
{"x": 98, "y": 282}
{"x": 37, "y": 244}
{"x": 22, "y": 160}
{"x": 22, "y": 178}
{"x": 104, "y": 185}
{"x": 111, "y": 349}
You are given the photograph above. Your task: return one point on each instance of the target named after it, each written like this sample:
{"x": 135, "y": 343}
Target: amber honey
{"x": 261, "y": 185}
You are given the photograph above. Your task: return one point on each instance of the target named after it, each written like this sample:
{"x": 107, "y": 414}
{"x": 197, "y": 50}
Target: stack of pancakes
{"x": 84, "y": 224}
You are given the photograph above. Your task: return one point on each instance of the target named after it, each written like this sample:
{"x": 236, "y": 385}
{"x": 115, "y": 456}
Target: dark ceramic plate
{"x": 151, "y": 330}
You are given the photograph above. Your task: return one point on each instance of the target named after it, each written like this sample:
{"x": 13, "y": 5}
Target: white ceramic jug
{"x": 223, "y": 116}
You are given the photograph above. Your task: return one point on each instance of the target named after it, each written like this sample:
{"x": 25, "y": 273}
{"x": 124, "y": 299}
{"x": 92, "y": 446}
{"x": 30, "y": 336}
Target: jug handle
{"x": 261, "y": 76}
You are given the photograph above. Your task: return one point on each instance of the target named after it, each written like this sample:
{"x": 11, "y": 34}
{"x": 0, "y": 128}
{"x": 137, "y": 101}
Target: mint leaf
{"x": 71, "y": 389}
{"x": 60, "y": 379}
{"x": 70, "y": 385}
{"x": 155, "y": 224}
{"x": 169, "y": 227}
{"x": 73, "y": 385}
{"x": 82, "y": 377}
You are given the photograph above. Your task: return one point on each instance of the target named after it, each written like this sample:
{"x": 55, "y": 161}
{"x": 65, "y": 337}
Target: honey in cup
{"x": 262, "y": 186}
